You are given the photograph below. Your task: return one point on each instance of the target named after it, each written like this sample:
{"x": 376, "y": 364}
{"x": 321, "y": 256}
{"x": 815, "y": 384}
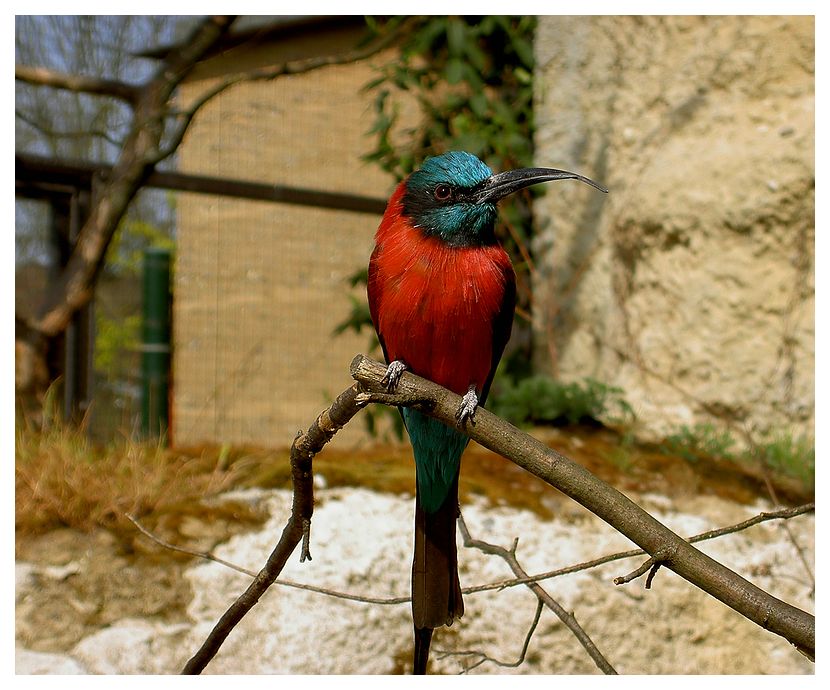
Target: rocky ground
{"x": 85, "y": 603}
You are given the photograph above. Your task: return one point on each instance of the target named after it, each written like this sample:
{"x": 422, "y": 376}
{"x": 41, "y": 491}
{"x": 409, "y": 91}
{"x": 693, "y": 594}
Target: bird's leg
{"x": 393, "y": 375}
{"x": 467, "y": 408}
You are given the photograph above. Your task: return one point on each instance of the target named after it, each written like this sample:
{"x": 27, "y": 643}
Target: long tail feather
{"x": 436, "y": 591}
{"x": 423, "y": 636}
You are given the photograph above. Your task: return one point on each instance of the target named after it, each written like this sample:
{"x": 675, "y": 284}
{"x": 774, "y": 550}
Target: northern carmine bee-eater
{"x": 441, "y": 295}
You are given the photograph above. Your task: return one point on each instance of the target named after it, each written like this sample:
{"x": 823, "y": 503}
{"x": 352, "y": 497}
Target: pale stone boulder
{"x": 691, "y": 285}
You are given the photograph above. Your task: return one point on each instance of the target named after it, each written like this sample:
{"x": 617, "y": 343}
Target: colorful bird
{"x": 441, "y": 295}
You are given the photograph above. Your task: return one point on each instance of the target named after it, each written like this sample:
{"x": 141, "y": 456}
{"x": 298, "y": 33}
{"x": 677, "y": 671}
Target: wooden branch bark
{"x": 303, "y": 449}
{"x": 511, "y": 443}
{"x": 138, "y": 156}
{"x": 40, "y": 76}
{"x": 568, "y": 619}
{"x": 795, "y": 625}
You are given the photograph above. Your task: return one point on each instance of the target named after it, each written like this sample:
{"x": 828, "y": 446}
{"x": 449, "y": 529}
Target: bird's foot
{"x": 467, "y": 408}
{"x": 393, "y": 375}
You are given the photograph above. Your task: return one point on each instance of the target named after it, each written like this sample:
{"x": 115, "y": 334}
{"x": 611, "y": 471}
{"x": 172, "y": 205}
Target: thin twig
{"x": 651, "y": 573}
{"x": 250, "y": 573}
{"x": 501, "y": 584}
{"x": 509, "y": 555}
{"x": 767, "y": 611}
{"x": 305, "y": 446}
{"x": 443, "y": 654}
{"x": 634, "y": 574}
{"x": 65, "y": 134}
{"x": 784, "y": 514}
{"x": 190, "y": 552}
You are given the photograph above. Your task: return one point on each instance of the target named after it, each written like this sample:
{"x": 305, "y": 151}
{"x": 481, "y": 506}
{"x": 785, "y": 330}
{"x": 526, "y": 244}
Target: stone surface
{"x": 361, "y": 545}
{"x": 27, "y": 662}
{"x": 691, "y": 285}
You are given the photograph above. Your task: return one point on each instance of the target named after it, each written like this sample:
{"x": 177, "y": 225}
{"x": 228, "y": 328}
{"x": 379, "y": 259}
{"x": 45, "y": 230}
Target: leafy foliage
{"x": 700, "y": 441}
{"x": 794, "y": 456}
{"x": 782, "y": 452}
{"x": 471, "y": 79}
{"x": 114, "y": 337}
{"x": 126, "y": 251}
{"x": 540, "y": 400}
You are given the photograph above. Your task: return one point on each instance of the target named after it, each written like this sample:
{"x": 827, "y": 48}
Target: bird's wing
{"x": 502, "y": 326}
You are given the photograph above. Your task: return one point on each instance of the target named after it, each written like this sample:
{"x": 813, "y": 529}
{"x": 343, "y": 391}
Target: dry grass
{"x": 64, "y": 479}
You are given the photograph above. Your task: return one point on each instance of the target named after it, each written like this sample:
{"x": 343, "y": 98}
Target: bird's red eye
{"x": 443, "y": 192}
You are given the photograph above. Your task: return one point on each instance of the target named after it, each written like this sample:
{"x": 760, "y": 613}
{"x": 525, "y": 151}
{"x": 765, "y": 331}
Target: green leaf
{"x": 476, "y": 56}
{"x": 523, "y": 76}
{"x": 479, "y": 104}
{"x": 454, "y": 70}
{"x": 456, "y": 35}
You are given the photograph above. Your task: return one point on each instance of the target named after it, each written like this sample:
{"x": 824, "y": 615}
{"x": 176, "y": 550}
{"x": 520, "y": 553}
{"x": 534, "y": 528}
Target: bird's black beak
{"x": 502, "y": 184}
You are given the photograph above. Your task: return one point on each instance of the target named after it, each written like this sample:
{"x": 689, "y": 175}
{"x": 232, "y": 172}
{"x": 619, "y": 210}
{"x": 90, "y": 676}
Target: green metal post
{"x": 155, "y": 349}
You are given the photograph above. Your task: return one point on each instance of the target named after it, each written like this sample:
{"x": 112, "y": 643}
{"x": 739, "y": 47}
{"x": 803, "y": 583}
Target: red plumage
{"x": 446, "y": 312}
{"x": 441, "y": 295}
{"x": 438, "y": 308}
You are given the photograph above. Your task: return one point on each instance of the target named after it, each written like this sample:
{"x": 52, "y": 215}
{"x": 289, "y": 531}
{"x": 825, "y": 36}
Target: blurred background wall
{"x": 691, "y": 285}
{"x": 260, "y": 287}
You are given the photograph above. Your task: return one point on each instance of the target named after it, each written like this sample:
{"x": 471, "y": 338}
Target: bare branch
{"x": 501, "y": 584}
{"x": 617, "y": 510}
{"x": 443, "y": 654}
{"x": 272, "y": 72}
{"x": 652, "y": 565}
{"x": 304, "y": 448}
{"x": 41, "y": 76}
{"x": 66, "y": 134}
{"x": 634, "y": 574}
{"x": 492, "y": 432}
{"x": 509, "y": 555}
{"x": 144, "y": 147}
{"x": 73, "y": 288}
{"x": 784, "y": 514}
{"x": 250, "y": 573}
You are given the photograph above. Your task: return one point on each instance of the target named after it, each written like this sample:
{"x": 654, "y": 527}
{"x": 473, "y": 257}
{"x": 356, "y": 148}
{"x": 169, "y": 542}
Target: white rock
{"x": 28, "y": 662}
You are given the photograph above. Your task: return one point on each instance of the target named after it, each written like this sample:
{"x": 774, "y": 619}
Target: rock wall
{"x": 691, "y": 285}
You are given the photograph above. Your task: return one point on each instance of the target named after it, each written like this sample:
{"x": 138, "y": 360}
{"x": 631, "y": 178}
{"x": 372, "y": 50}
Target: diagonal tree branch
{"x": 135, "y": 162}
{"x": 795, "y": 625}
{"x": 791, "y": 623}
{"x": 304, "y": 448}
{"x": 40, "y": 76}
